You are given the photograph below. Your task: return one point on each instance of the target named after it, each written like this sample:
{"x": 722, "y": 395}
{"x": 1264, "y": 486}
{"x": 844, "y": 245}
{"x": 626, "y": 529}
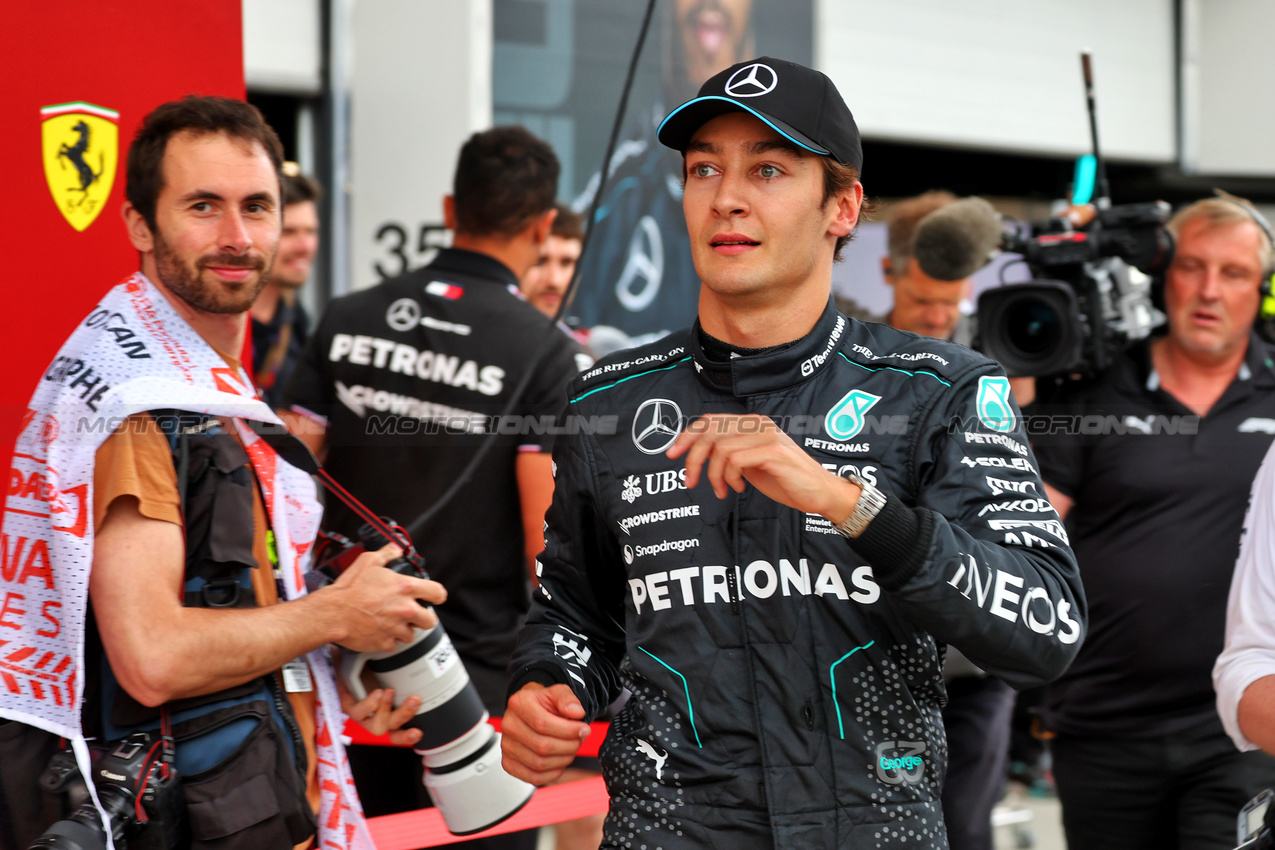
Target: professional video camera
{"x": 1091, "y": 293}
{"x": 1090, "y": 296}
{"x": 144, "y": 802}
{"x": 1089, "y": 299}
{"x": 1255, "y": 827}
{"x": 461, "y": 750}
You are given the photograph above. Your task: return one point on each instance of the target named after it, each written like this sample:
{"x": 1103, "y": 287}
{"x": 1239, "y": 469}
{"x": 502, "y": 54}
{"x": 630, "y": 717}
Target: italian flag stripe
{"x": 80, "y": 106}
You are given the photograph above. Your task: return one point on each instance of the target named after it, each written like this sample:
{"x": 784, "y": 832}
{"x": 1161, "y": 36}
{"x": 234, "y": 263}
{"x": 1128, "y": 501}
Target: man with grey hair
{"x": 922, "y": 304}
{"x": 1154, "y": 506}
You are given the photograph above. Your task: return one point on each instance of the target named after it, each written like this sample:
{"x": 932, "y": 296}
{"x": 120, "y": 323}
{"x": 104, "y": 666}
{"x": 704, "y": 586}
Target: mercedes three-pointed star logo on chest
{"x": 656, "y": 425}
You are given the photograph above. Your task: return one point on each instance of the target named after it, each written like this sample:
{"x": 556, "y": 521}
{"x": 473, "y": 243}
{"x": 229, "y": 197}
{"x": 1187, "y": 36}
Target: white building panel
{"x": 1005, "y": 74}
{"x": 281, "y": 46}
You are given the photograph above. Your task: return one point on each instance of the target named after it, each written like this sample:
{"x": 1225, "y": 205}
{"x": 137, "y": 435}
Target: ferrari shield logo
{"x": 846, "y": 418}
{"x": 81, "y": 150}
{"x": 994, "y": 407}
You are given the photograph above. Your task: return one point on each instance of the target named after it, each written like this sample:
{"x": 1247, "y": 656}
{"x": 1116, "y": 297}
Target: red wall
{"x": 126, "y": 55}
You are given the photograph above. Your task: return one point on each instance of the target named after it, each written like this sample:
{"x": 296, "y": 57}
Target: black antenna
{"x": 606, "y": 160}
{"x": 465, "y": 474}
{"x": 1103, "y": 198}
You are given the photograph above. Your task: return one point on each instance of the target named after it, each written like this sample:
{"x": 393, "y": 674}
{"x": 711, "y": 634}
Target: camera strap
{"x": 290, "y": 449}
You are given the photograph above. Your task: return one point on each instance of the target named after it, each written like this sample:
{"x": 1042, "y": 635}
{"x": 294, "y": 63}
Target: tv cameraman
{"x": 181, "y": 566}
{"x": 1154, "y": 505}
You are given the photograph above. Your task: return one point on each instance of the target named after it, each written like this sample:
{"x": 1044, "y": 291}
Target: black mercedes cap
{"x": 800, "y": 103}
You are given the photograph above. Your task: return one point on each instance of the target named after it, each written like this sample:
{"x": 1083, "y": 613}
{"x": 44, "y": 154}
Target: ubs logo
{"x": 656, "y": 425}
{"x": 752, "y": 81}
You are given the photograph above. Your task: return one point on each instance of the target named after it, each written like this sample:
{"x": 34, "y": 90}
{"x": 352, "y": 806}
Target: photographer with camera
{"x": 771, "y": 548}
{"x": 186, "y": 532}
{"x": 1150, "y": 463}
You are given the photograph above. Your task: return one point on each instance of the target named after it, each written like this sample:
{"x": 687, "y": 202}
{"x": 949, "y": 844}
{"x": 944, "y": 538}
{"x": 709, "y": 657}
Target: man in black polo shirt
{"x": 1151, "y": 463}
{"x": 402, "y": 383}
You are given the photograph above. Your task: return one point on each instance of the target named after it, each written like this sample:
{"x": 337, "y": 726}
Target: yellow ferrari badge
{"x": 81, "y": 150}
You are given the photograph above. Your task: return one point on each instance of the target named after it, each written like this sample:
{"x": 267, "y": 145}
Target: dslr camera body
{"x": 144, "y": 802}
{"x": 1091, "y": 296}
{"x": 460, "y": 749}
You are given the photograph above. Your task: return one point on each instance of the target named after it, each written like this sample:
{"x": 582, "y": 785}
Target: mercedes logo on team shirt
{"x": 656, "y": 425}
{"x": 752, "y": 80}
{"x": 403, "y": 315}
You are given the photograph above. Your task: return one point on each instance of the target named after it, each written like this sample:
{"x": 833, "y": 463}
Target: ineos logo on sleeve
{"x": 403, "y": 315}
{"x": 752, "y": 81}
{"x": 656, "y": 425}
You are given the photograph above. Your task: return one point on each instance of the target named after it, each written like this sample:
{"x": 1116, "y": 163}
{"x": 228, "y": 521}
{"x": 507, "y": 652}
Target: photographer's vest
{"x": 254, "y": 795}
{"x": 134, "y": 353}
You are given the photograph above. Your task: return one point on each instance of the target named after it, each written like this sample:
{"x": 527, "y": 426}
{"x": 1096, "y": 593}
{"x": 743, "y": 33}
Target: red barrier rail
{"x": 554, "y": 804}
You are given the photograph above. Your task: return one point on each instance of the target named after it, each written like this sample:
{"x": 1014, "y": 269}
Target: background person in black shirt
{"x": 1151, "y": 463}
{"x": 401, "y": 385}
{"x": 280, "y": 325}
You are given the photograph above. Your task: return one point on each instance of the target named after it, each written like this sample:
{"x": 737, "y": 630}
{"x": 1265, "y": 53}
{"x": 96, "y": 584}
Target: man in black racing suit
{"x": 873, "y": 498}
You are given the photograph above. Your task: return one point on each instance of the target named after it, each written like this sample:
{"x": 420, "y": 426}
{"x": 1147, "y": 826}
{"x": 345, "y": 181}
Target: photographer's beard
{"x": 204, "y": 290}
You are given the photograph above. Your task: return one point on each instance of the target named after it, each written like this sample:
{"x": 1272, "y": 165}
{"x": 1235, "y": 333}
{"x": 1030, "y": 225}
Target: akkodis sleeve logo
{"x": 995, "y": 410}
{"x": 846, "y": 418}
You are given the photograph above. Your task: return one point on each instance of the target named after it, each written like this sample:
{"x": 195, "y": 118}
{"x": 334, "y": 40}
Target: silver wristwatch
{"x": 870, "y": 503}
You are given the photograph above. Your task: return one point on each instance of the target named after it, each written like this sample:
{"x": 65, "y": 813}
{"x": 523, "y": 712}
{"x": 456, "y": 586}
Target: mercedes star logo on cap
{"x": 656, "y": 425}
{"x": 752, "y": 81}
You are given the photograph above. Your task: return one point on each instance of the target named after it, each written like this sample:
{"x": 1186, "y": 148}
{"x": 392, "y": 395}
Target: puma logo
{"x": 649, "y": 751}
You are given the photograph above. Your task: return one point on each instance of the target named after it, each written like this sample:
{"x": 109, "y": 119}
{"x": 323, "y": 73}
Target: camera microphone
{"x": 957, "y": 240}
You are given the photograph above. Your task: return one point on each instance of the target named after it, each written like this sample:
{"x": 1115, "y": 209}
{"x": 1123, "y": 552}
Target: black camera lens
{"x": 1033, "y": 328}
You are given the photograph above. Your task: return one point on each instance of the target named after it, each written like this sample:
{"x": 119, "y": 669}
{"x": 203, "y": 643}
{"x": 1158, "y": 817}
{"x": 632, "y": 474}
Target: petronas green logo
{"x": 995, "y": 410}
{"x": 846, "y": 419}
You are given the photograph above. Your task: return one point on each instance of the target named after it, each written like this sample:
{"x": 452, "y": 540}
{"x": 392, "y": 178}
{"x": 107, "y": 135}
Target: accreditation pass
{"x": 296, "y": 677}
